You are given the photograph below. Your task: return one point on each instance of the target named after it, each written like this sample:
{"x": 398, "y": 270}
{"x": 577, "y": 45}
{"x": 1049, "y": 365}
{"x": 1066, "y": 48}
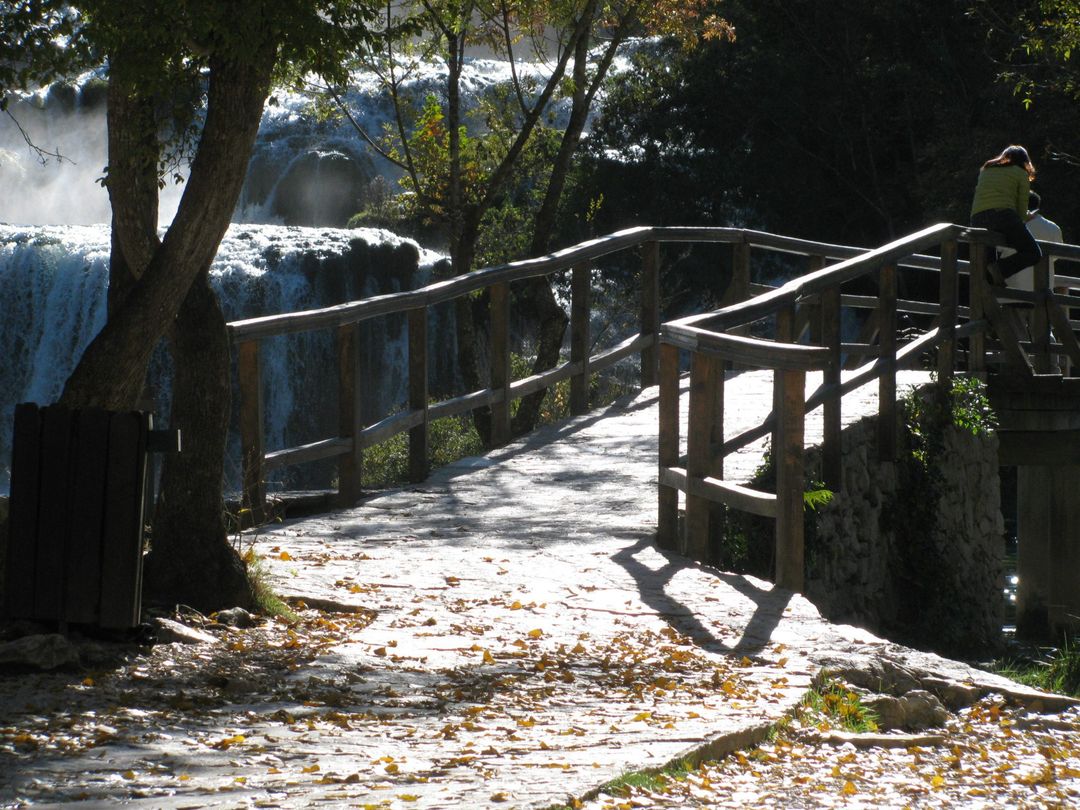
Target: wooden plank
{"x": 788, "y": 456}
{"x": 948, "y": 295}
{"x": 1048, "y": 448}
{"x": 82, "y": 581}
{"x": 252, "y": 447}
{"x": 418, "y": 394}
{"x": 749, "y": 351}
{"x": 122, "y": 532}
{"x": 832, "y": 415}
{"x": 23, "y": 511}
{"x": 1064, "y": 332}
{"x": 702, "y": 447}
{"x": 650, "y": 312}
{"x": 313, "y": 451}
{"x": 976, "y": 296}
{"x": 738, "y": 291}
{"x": 667, "y": 520}
{"x": 580, "y": 313}
{"x": 500, "y": 362}
{"x": 736, "y": 496}
{"x": 351, "y": 463}
{"x": 1040, "y": 317}
{"x": 54, "y": 516}
{"x": 887, "y": 415}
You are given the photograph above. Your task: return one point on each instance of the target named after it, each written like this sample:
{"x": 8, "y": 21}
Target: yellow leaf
{"x": 88, "y": 682}
{"x": 536, "y": 633}
{"x": 311, "y": 769}
{"x": 849, "y": 788}
{"x": 129, "y": 774}
{"x": 285, "y": 556}
{"x": 641, "y": 716}
{"x": 526, "y": 722}
{"x": 392, "y": 768}
{"x": 184, "y": 777}
{"x": 453, "y": 582}
{"x": 488, "y": 658}
{"x": 937, "y": 781}
{"x": 782, "y": 662}
{"x": 499, "y": 797}
{"x": 408, "y": 797}
{"x": 746, "y": 662}
{"x": 515, "y": 606}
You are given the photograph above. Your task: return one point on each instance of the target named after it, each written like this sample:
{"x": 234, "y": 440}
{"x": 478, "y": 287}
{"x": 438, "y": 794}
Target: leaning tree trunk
{"x": 111, "y": 372}
{"x": 189, "y": 533}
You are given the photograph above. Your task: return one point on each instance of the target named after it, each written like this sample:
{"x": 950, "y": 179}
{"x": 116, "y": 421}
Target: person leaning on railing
{"x": 1001, "y": 204}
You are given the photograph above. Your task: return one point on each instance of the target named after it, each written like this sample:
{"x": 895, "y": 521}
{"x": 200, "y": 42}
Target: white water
{"x": 53, "y": 285}
{"x": 53, "y": 263}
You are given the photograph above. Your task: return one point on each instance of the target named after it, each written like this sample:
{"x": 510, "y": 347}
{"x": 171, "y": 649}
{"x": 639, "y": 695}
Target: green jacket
{"x": 1002, "y": 187}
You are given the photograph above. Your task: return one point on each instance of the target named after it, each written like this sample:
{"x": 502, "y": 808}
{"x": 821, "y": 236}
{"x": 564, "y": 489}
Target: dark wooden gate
{"x": 76, "y": 516}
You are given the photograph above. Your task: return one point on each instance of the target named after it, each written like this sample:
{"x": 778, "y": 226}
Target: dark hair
{"x": 1013, "y": 156}
{"x": 1034, "y": 201}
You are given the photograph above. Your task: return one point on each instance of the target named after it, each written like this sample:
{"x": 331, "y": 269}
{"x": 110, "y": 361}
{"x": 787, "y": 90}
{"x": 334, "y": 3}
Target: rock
{"x": 955, "y": 695}
{"x": 170, "y": 632}
{"x": 49, "y": 651}
{"x": 923, "y": 710}
{"x": 235, "y": 617}
{"x": 889, "y": 710}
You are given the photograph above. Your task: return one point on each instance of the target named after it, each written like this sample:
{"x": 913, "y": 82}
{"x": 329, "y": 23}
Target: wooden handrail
{"x": 723, "y": 336}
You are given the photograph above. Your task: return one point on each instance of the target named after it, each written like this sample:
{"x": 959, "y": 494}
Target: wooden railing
{"x": 806, "y": 314}
{"x": 716, "y": 340}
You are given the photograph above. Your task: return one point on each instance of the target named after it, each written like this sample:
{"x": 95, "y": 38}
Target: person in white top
{"x": 1044, "y": 231}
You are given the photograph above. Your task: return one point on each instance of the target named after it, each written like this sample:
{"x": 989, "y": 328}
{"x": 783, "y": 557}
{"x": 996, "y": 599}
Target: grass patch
{"x": 833, "y": 706}
{"x": 1058, "y": 671}
{"x": 267, "y": 603}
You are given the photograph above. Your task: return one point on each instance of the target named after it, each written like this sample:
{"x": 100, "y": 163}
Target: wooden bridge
{"x": 1016, "y": 340}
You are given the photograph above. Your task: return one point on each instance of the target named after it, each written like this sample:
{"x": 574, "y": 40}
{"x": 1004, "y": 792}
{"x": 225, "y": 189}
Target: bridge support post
{"x": 580, "y": 310}
{"x": 350, "y": 465}
{"x": 1048, "y": 563}
{"x": 887, "y": 421}
{"x": 788, "y": 456}
{"x": 667, "y": 520}
{"x": 831, "y": 458}
{"x": 418, "y": 394}
{"x": 650, "y": 311}
{"x": 500, "y": 362}
{"x": 249, "y": 371}
{"x": 704, "y": 436}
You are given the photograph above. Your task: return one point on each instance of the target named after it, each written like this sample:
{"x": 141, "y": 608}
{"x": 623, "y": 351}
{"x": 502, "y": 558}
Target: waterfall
{"x": 53, "y": 290}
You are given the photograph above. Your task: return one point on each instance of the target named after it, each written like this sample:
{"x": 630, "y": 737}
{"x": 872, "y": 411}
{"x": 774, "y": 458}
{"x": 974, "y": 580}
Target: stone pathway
{"x": 527, "y": 643}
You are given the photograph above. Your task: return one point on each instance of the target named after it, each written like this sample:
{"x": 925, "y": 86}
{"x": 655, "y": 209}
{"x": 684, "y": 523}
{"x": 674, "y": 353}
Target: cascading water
{"x": 304, "y": 171}
{"x": 53, "y": 289}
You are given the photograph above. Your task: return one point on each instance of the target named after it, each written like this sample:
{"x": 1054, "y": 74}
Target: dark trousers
{"x": 1008, "y": 223}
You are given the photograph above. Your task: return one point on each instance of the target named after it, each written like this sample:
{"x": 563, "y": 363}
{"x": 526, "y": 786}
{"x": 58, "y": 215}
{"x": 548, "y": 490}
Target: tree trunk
{"x": 110, "y": 373}
{"x": 191, "y": 560}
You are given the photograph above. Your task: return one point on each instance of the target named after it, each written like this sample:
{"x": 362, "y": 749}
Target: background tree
{"x": 207, "y": 67}
{"x": 846, "y": 121}
{"x": 475, "y": 171}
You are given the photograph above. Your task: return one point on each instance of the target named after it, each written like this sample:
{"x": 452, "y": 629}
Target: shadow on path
{"x": 653, "y": 586}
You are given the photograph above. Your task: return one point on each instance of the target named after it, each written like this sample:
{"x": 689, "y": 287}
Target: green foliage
{"x": 1058, "y": 672}
{"x": 648, "y": 780}
{"x": 925, "y": 605}
{"x": 449, "y": 439}
{"x": 743, "y": 543}
{"x": 832, "y": 705}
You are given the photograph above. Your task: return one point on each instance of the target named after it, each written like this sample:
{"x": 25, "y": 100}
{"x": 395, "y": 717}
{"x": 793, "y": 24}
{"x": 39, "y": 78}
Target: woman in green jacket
{"x": 1000, "y": 204}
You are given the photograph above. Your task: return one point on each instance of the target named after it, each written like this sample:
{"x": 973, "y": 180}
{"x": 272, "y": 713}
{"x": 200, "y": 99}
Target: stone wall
{"x": 909, "y": 552}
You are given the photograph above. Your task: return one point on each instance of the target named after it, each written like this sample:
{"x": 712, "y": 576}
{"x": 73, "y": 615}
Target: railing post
{"x": 887, "y": 423}
{"x": 667, "y": 518}
{"x": 831, "y": 453}
{"x": 418, "y": 393}
{"x": 249, "y": 370}
{"x": 500, "y": 362}
{"x": 788, "y": 455}
{"x": 580, "y": 312}
{"x": 704, "y": 436}
{"x": 650, "y": 311}
{"x": 976, "y": 294}
{"x": 947, "y": 320}
{"x": 1040, "y": 318}
{"x": 739, "y": 289}
{"x": 350, "y": 465}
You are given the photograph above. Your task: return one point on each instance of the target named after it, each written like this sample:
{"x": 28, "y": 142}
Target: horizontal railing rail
{"x": 718, "y": 340}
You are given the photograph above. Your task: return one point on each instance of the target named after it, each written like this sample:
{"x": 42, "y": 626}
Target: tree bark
{"x": 110, "y": 373}
{"x": 191, "y": 561}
